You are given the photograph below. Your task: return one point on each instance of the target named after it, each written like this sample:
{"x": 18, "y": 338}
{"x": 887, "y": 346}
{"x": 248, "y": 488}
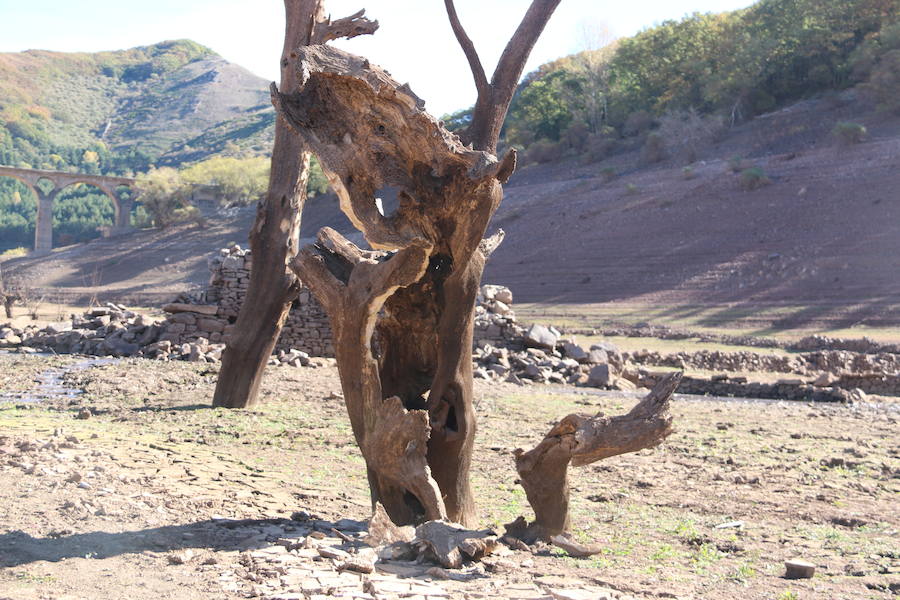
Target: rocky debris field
{"x": 136, "y": 488}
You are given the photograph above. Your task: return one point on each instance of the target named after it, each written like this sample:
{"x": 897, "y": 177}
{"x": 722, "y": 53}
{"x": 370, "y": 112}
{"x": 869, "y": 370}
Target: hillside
{"x": 167, "y": 103}
{"x": 816, "y": 248}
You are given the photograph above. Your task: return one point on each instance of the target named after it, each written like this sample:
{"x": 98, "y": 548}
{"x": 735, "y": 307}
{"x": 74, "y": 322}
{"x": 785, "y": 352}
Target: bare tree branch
{"x": 348, "y": 27}
{"x": 481, "y": 82}
{"x": 515, "y": 55}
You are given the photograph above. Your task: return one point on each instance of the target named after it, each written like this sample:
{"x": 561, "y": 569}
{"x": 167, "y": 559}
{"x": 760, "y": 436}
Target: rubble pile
{"x": 110, "y": 330}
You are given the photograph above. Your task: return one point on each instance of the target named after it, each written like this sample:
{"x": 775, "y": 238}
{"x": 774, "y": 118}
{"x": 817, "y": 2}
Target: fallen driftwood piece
{"x": 573, "y": 548}
{"x": 451, "y": 543}
{"x": 582, "y": 440}
{"x": 384, "y": 532}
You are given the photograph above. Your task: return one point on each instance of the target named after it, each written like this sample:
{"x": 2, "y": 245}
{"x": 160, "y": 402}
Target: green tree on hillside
{"x": 165, "y": 197}
{"x": 240, "y": 180}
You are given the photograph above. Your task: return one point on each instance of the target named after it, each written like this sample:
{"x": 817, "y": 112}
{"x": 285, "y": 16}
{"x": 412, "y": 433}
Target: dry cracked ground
{"x": 157, "y": 495}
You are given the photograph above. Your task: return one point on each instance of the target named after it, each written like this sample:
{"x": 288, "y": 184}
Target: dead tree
{"x": 579, "y": 440}
{"x": 274, "y": 239}
{"x": 417, "y": 295}
{"x": 10, "y": 294}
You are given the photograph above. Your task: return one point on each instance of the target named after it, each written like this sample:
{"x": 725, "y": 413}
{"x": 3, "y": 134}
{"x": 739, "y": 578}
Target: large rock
{"x": 598, "y": 357}
{"x": 211, "y": 325}
{"x": 600, "y": 376}
{"x": 540, "y": 337}
{"x": 574, "y": 351}
{"x": 608, "y": 347}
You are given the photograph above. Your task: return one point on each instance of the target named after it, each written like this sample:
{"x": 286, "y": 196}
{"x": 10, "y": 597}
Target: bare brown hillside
{"x": 823, "y": 238}
{"x": 824, "y": 235}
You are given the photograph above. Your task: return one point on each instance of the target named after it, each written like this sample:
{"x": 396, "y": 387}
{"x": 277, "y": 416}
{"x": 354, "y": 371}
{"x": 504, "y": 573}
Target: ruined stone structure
{"x": 211, "y": 313}
{"x": 43, "y": 232}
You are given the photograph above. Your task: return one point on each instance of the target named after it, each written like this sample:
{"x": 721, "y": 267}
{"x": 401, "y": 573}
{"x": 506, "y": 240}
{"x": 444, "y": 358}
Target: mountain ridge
{"x": 156, "y": 104}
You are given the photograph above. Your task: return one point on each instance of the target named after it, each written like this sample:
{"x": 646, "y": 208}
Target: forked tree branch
{"x": 515, "y": 55}
{"x": 494, "y": 97}
{"x": 481, "y": 82}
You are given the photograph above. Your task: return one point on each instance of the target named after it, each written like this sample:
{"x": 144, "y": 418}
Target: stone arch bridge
{"x": 43, "y": 231}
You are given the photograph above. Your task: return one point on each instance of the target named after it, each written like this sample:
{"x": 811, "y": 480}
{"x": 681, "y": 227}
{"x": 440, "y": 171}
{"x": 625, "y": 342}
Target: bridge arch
{"x": 26, "y": 182}
{"x": 107, "y": 190}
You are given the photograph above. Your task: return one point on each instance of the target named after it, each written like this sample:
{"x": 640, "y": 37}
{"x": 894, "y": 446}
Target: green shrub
{"x": 607, "y": 174}
{"x": 688, "y": 172}
{"x": 544, "y": 151}
{"x": 14, "y": 253}
{"x": 600, "y": 146}
{"x": 736, "y": 164}
{"x": 754, "y": 178}
{"x": 654, "y": 149}
{"x": 631, "y": 189}
{"x": 848, "y": 133}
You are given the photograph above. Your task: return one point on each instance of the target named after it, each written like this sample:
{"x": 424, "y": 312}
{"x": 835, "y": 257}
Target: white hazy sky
{"x": 414, "y": 43}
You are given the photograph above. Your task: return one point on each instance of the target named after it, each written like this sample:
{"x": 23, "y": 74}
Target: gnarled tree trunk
{"x": 274, "y": 238}
{"x": 408, "y": 343}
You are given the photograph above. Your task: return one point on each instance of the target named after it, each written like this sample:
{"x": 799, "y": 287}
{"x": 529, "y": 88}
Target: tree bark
{"x": 274, "y": 239}
{"x": 369, "y": 132}
{"x": 580, "y": 440}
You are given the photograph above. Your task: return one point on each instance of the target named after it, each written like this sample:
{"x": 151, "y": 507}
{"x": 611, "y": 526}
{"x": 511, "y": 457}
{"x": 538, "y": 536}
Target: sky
{"x": 414, "y": 43}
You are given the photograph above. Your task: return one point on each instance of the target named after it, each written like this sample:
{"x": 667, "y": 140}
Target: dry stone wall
{"x": 211, "y": 313}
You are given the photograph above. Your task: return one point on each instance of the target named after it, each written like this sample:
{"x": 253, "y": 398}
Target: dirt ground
{"x": 157, "y": 495}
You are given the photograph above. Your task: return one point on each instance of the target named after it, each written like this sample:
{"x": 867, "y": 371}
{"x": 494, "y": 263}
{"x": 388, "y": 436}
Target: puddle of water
{"x": 50, "y": 385}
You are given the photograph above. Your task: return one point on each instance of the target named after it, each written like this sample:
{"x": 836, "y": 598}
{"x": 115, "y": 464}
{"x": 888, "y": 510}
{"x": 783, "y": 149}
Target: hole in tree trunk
{"x": 441, "y": 265}
{"x": 415, "y": 403}
{"x": 414, "y": 505}
{"x": 450, "y": 424}
{"x": 387, "y": 200}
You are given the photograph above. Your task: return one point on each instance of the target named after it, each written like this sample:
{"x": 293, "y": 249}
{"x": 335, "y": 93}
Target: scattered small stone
{"x": 180, "y": 558}
{"x": 799, "y": 569}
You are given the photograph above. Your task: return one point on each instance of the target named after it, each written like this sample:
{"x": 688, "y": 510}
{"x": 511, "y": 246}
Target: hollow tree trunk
{"x": 274, "y": 238}
{"x": 370, "y": 132}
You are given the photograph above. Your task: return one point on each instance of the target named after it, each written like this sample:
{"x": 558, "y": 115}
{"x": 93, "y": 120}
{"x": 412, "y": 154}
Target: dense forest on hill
{"x": 704, "y": 72}
{"x": 680, "y": 82}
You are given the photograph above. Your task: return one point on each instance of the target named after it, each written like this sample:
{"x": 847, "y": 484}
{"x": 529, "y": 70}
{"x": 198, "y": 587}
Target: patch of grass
{"x": 705, "y": 556}
{"x": 34, "y": 579}
{"x": 788, "y": 595}
{"x": 754, "y": 178}
{"x": 743, "y": 573}
{"x": 848, "y": 134}
{"x": 631, "y": 189}
{"x": 664, "y": 552}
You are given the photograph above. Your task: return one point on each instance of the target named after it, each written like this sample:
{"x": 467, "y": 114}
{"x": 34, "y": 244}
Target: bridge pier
{"x": 43, "y": 227}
